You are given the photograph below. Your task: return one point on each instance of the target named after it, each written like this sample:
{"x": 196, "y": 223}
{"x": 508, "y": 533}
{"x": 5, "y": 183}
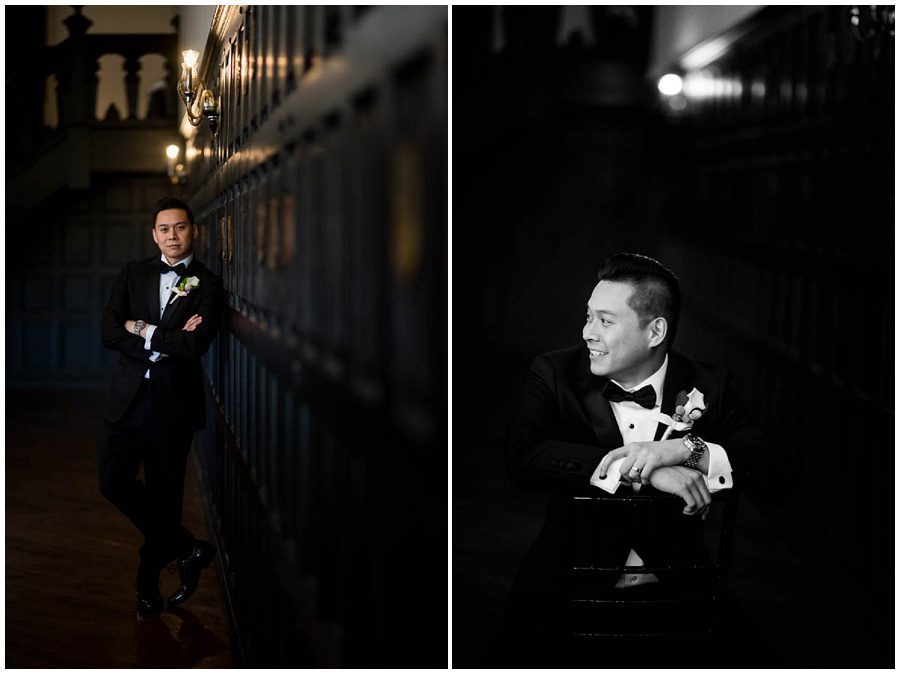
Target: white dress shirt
{"x": 167, "y": 281}
{"x": 638, "y": 424}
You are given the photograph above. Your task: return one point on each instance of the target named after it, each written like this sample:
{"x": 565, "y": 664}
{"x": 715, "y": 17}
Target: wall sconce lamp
{"x": 191, "y": 88}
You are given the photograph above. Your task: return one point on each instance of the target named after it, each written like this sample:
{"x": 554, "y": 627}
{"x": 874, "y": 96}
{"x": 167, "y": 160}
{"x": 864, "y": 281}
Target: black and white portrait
{"x": 673, "y": 381}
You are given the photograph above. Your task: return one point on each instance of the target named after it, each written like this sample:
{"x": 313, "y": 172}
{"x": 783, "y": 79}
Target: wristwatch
{"x": 138, "y": 326}
{"x": 697, "y": 447}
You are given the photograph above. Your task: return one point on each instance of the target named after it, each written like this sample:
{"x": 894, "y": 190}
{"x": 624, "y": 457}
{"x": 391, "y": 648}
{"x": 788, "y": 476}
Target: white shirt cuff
{"x": 719, "y": 475}
{"x": 611, "y": 482}
{"x": 148, "y": 336}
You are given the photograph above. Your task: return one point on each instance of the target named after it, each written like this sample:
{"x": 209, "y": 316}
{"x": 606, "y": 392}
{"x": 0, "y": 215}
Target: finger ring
{"x": 636, "y": 469}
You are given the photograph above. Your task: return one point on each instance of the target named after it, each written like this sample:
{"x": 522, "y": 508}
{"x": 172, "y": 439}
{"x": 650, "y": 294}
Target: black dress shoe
{"x": 149, "y": 599}
{"x": 189, "y": 570}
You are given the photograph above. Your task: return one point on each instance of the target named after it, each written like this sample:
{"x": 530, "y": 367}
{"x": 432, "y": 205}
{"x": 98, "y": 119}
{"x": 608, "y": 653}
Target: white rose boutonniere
{"x": 184, "y": 287}
{"x": 689, "y": 407}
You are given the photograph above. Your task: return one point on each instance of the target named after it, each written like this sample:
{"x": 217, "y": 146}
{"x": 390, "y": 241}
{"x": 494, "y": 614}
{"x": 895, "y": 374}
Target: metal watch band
{"x": 697, "y": 447}
{"x": 138, "y": 326}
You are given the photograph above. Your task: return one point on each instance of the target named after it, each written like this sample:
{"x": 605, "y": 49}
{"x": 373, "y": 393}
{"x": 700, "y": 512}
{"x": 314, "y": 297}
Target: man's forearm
{"x": 543, "y": 464}
{"x": 129, "y": 327}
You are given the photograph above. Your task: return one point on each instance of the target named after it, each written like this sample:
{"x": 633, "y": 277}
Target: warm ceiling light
{"x": 172, "y": 151}
{"x": 670, "y": 85}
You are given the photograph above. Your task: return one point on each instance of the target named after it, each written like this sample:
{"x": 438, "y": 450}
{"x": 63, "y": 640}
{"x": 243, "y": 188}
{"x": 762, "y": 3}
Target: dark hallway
{"x": 302, "y": 152}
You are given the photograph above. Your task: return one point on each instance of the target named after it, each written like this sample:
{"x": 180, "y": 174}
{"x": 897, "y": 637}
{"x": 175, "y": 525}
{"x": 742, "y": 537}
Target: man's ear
{"x": 659, "y": 328}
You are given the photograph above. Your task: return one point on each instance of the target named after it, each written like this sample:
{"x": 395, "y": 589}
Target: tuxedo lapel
{"x": 678, "y": 378}
{"x": 597, "y": 408}
{"x": 171, "y": 309}
{"x": 151, "y": 280}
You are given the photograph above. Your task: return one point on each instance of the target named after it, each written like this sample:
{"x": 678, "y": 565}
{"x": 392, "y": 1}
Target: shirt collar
{"x": 655, "y": 380}
{"x": 187, "y": 263}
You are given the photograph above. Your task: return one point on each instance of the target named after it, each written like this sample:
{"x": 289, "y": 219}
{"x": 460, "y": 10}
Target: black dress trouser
{"x": 154, "y": 505}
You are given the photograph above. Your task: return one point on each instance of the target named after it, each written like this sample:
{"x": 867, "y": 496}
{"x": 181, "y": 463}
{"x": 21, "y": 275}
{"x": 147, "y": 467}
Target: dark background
{"x": 773, "y": 203}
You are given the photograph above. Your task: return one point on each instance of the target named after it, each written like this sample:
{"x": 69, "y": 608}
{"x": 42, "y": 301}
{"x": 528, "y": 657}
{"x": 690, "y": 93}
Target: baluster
{"x": 132, "y": 80}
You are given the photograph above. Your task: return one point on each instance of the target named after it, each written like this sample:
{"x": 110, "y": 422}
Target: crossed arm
{"x": 190, "y": 326}
{"x": 192, "y": 340}
{"x": 659, "y": 465}
{"x": 543, "y": 452}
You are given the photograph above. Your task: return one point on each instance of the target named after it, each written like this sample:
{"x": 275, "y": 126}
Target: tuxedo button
{"x": 631, "y": 426}
{"x": 721, "y": 479}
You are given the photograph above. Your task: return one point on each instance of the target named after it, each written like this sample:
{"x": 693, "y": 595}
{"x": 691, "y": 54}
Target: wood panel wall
{"x": 781, "y": 224}
{"x": 63, "y": 256}
{"x": 322, "y": 202}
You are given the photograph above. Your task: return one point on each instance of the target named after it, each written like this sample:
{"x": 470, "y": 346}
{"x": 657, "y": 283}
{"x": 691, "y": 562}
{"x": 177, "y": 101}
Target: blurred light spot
{"x": 704, "y": 54}
{"x": 677, "y": 103}
{"x": 670, "y": 85}
{"x": 699, "y": 85}
{"x": 758, "y": 89}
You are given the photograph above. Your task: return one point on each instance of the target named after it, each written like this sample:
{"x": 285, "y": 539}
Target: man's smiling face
{"x": 174, "y": 234}
{"x": 619, "y": 348}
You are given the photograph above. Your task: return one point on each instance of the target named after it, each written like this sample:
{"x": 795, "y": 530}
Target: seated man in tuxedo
{"x": 596, "y": 408}
{"x": 162, "y": 315}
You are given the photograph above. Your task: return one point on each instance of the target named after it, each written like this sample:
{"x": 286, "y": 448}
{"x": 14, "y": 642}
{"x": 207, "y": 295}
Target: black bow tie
{"x": 179, "y": 268}
{"x": 645, "y": 397}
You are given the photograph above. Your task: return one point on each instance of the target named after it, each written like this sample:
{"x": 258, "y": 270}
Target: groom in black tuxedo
{"x": 594, "y": 409}
{"x": 162, "y": 315}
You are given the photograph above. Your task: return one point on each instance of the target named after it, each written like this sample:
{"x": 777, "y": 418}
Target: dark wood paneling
{"x": 77, "y": 293}
{"x": 36, "y": 292}
{"x": 61, "y": 282}
{"x": 323, "y": 206}
{"x": 37, "y": 346}
{"x": 76, "y": 338}
{"x": 77, "y": 245}
{"x": 786, "y": 255}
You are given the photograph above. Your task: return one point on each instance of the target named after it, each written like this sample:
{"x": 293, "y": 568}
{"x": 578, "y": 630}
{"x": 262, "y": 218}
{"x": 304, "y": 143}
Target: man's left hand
{"x": 645, "y": 457}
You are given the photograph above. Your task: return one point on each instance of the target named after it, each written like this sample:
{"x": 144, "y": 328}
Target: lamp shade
{"x": 190, "y": 57}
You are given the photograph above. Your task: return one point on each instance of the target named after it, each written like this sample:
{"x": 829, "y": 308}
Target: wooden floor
{"x": 71, "y": 557}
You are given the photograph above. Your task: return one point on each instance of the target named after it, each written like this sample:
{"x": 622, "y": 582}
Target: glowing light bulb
{"x": 172, "y": 151}
{"x": 670, "y": 85}
{"x": 190, "y": 57}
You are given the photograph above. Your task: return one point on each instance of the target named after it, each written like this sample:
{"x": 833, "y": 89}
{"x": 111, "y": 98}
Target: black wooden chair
{"x": 691, "y": 557}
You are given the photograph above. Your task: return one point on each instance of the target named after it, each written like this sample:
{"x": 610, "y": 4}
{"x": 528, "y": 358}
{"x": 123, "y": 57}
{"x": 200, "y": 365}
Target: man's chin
{"x": 598, "y": 369}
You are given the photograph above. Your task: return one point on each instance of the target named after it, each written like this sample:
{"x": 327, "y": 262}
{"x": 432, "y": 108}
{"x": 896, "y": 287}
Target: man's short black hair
{"x": 656, "y": 291}
{"x": 168, "y": 202}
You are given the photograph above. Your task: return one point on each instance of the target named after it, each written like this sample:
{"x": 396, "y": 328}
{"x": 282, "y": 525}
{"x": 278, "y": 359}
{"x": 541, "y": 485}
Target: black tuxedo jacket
{"x": 565, "y": 426}
{"x": 176, "y": 381}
